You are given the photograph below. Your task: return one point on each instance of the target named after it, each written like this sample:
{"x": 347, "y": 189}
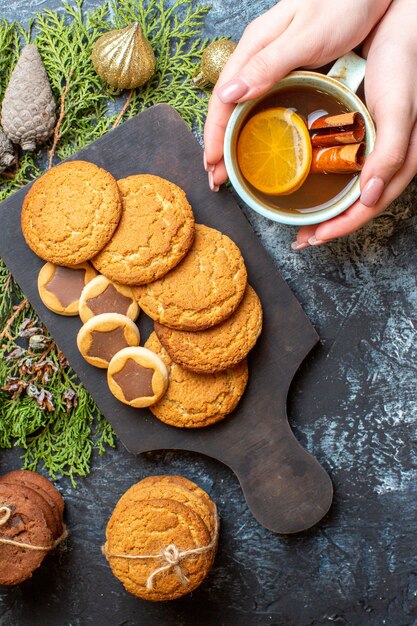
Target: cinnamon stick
{"x": 338, "y": 159}
{"x": 333, "y": 130}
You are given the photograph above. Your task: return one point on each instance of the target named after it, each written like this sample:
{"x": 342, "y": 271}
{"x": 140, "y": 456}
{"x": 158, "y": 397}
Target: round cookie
{"x": 101, "y": 295}
{"x": 195, "y": 400}
{"x": 187, "y": 484}
{"x": 154, "y": 489}
{"x": 147, "y": 530}
{"x": 58, "y": 525}
{"x": 203, "y": 290}
{"x": 71, "y": 212}
{"x": 155, "y": 232}
{"x": 137, "y": 377}
{"x": 219, "y": 347}
{"x": 38, "y": 500}
{"x": 60, "y": 287}
{"x": 104, "y": 335}
{"x": 38, "y": 482}
{"x": 26, "y": 524}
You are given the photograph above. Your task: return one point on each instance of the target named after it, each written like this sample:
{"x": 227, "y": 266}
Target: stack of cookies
{"x": 189, "y": 278}
{"x": 31, "y": 524}
{"x": 162, "y": 537}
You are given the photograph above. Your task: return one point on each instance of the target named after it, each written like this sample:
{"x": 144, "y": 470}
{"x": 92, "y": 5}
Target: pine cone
{"x": 28, "y": 110}
{"x": 6, "y": 152}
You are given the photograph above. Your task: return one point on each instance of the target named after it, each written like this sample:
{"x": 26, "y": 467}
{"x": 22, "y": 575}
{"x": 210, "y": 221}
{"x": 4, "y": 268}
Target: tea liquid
{"x": 319, "y": 190}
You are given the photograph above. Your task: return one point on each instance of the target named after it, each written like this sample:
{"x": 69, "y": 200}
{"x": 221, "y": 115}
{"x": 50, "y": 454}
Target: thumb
{"x": 263, "y": 70}
{"x": 389, "y": 154}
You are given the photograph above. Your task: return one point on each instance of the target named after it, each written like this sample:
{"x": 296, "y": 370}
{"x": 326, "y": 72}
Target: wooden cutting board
{"x": 285, "y": 487}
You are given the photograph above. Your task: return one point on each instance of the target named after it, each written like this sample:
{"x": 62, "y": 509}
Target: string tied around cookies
{"x": 172, "y": 555}
{"x": 6, "y": 512}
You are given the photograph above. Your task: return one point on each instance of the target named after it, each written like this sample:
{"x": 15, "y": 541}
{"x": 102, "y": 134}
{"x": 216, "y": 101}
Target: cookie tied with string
{"x": 162, "y": 538}
{"x": 31, "y": 525}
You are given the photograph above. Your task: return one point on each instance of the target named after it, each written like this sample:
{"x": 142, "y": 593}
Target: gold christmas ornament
{"x": 214, "y": 58}
{"x": 28, "y": 109}
{"x": 124, "y": 58}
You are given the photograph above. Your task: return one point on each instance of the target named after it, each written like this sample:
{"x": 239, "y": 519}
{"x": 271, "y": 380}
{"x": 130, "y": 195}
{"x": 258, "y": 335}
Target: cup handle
{"x": 349, "y": 70}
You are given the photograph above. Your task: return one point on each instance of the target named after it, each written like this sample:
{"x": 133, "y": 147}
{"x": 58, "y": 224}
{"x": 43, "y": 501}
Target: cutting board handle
{"x": 285, "y": 487}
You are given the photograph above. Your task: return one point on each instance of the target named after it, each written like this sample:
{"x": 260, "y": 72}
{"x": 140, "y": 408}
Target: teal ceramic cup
{"x": 341, "y": 83}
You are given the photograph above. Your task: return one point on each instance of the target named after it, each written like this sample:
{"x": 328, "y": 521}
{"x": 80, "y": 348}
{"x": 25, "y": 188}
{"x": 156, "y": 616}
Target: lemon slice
{"x": 274, "y": 151}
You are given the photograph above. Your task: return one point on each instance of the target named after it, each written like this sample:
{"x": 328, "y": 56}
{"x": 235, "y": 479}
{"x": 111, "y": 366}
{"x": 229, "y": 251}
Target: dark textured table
{"x": 352, "y": 404}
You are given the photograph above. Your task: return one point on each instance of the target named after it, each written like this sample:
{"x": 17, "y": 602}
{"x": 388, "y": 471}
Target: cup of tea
{"x": 294, "y": 155}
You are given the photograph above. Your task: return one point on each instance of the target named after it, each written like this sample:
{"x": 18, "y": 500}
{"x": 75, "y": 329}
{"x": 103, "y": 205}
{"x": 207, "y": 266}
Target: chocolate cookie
{"x": 39, "y": 482}
{"x": 203, "y": 290}
{"x": 71, "y": 212}
{"x": 154, "y": 234}
{"x": 44, "y": 488}
{"x": 60, "y": 287}
{"x": 23, "y": 522}
{"x": 137, "y": 376}
{"x": 38, "y": 500}
{"x": 219, "y": 347}
{"x": 150, "y": 530}
{"x": 195, "y": 400}
{"x": 104, "y": 335}
{"x": 101, "y": 295}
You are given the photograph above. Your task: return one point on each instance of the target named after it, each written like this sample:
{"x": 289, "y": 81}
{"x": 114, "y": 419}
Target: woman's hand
{"x": 391, "y": 97}
{"x": 293, "y": 33}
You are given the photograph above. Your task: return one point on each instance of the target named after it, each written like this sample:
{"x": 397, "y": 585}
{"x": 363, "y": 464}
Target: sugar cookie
{"x": 155, "y": 232}
{"x": 203, "y": 290}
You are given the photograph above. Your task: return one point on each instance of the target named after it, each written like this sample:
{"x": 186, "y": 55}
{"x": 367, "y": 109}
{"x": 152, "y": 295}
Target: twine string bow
{"x": 5, "y": 514}
{"x": 172, "y": 557}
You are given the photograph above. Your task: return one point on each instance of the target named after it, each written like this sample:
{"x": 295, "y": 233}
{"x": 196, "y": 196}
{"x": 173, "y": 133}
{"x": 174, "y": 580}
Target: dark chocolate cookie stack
{"x": 31, "y": 524}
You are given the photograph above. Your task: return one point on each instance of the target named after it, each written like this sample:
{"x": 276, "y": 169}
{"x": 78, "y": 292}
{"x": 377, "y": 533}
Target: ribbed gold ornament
{"x": 214, "y": 58}
{"x": 124, "y": 58}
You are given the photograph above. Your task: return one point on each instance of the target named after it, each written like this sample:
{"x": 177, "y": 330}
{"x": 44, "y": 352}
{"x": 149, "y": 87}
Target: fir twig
{"x": 57, "y": 130}
{"x": 17, "y": 310}
{"x": 124, "y": 109}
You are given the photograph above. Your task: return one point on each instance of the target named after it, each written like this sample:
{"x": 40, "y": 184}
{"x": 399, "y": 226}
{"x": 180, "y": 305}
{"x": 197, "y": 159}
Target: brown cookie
{"x": 217, "y": 348}
{"x": 26, "y": 524}
{"x": 38, "y": 481}
{"x": 50, "y": 494}
{"x": 148, "y": 529}
{"x": 60, "y": 287}
{"x": 104, "y": 335}
{"x": 101, "y": 295}
{"x": 203, "y": 290}
{"x": 155, "y": 232}
{"x": 38, "y": 500}
{"x": 71, "y": 212}
{"x": 195, "y": 400}
{"x": 137, "y": 376}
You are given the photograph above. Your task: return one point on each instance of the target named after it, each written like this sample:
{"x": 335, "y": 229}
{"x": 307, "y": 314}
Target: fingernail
{"x": 209, "y": 167}
{"x": 232, "y": 91}
{"x": 372, "y": 191}
{"x": 299, "y": 246}
{"x": 212, "y": 186}
{"x": 313, "y": 241}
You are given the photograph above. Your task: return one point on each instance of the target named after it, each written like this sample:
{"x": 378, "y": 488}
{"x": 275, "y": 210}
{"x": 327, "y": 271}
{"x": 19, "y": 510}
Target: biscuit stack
{"x": 31, "y": 524}
{"x": 162, "y": 537}
{"x": 139, "y": 233}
